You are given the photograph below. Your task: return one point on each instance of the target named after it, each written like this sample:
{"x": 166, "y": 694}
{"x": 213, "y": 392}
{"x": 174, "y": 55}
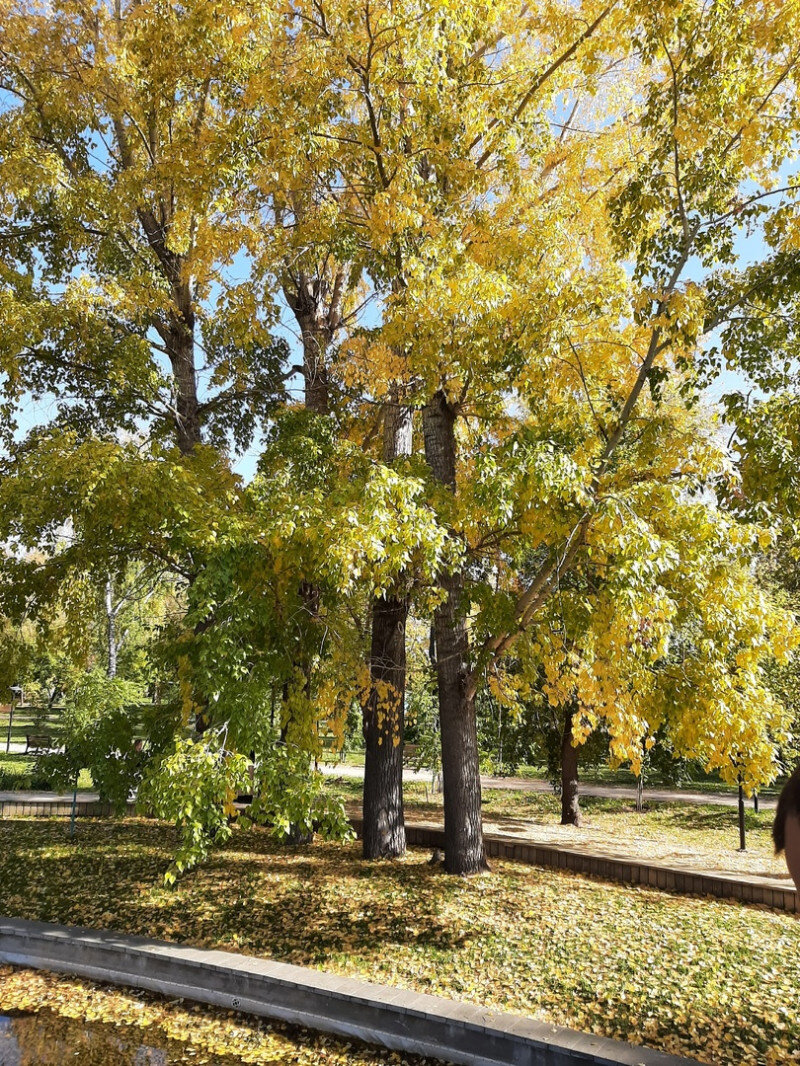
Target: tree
{"x": 124, "y": 144}
{"x": 544, "y": 204}
{"x": 122, "y": 148}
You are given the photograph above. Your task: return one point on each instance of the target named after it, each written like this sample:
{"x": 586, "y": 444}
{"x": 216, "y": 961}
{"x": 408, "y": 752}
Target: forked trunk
{"x": 463, "y": 826}
{"x": 570, "y": 805}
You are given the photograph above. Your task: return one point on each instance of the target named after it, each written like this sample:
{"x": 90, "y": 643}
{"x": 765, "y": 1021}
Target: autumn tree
{"x": 547, "y": 196}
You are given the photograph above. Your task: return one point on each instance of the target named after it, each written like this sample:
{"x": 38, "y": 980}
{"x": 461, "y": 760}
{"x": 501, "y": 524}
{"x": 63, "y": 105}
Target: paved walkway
{"x": 48, "y": 797}
{"x": 526, "y": 784}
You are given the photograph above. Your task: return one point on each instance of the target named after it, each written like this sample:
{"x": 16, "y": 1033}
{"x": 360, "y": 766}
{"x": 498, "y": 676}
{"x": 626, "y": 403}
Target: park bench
{"x": 38, "y": 742}
{"x": 409, "y": 753}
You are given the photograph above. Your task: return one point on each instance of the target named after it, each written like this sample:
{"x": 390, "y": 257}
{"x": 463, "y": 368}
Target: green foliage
{"x": 194, "y": 786}
{"x": 422, "y": 723}
{"x": 17, "y": 649}
{"x": 291, "y": 798}
{"x": 98, "y": 729}
{"x": 196, "y": 783}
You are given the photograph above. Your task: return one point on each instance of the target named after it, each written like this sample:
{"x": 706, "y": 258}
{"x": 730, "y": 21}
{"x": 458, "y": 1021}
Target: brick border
{"x": 626, "y": 871}
{"x": 390, "y": 1017}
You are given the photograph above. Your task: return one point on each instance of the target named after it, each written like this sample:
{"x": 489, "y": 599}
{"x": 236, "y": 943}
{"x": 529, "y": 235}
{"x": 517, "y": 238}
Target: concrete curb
{"x": 394, "y": 1018}
{"x": 60, "y": 807}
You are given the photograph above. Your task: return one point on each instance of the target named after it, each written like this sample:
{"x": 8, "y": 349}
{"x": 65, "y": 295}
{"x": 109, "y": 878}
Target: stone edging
{"x": 390, "y": 1017}
{"x": 59, "y": 808}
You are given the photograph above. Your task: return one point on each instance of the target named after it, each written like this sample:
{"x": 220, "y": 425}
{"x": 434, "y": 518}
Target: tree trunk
{"x": 180, "y": 346}
{"x": 315, "y": 338}
{"x": 384, "y": 833}
{"x": 316, "y": 305}
{"x": 177, "y": 332}
{"x": 111, "y": 628}
{"x": 463, "y": 827}
{"x": 384, "y": 720}
{"x": 570, "y": 805}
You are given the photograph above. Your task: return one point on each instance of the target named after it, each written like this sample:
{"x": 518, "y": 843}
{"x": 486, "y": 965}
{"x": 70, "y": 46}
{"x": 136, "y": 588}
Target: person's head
{"x": 788, "y": 807}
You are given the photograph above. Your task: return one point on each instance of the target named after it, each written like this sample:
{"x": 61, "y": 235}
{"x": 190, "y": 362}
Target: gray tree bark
{"x": 384, "y": 833}
{"x": 463, "y": 826}
{"x": 570, "y": 800}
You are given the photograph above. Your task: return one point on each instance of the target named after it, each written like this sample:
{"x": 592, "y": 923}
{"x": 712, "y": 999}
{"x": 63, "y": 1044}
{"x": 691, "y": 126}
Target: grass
{"x": 19, "y": 772}
{"x": 709, "y": 979}
{"x": 26, "y": 721}
{"x": 698, "y": 835}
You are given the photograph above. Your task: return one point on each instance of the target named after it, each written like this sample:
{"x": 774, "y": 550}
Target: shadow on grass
{"x": 718, "y": 819}
{"x": 302, "y": 904}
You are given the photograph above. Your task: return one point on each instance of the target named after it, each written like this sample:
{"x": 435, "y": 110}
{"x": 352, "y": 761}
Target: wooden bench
{"x": 38, "y": 742}
{"x": 409, "y": 753}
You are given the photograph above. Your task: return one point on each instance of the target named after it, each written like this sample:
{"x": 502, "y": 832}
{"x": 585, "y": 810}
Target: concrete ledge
{"x": 59, "y": 807}
{"x": 394, "y": 1018}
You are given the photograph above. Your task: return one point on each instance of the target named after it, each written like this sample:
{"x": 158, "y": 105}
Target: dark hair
{"x": 788, "y": 804}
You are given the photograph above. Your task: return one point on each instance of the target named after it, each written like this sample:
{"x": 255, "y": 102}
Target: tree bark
{"x": 316, "y": 302}
{"x": 177, "y": 331}
{"x": 180, "y": 347}
{"x": 111, "y": 628}
{"x": 570, "y": 805}
{"x": 463, "y": 826}
{"x": 384, "y": 834}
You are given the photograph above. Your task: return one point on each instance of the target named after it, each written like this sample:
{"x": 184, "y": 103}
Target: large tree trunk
{"x": 570, "y": 805}
{"x": 384, "y": 721}
{"x": 180, "y": 345}
{"x": 463, "y": 827}
{"x": 384, "y": 833}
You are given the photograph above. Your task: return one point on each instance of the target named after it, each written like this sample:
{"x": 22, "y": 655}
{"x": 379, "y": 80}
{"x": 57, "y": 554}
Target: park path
{"x": 525, "y": 784}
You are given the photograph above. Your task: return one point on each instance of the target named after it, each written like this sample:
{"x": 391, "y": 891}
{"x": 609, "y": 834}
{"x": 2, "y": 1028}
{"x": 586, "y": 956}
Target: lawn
{"x": 709, "y": 979}
{"x": 27, "y": 720}
{"x": 20, "y": 772}
{"x": 700, "y": 836}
